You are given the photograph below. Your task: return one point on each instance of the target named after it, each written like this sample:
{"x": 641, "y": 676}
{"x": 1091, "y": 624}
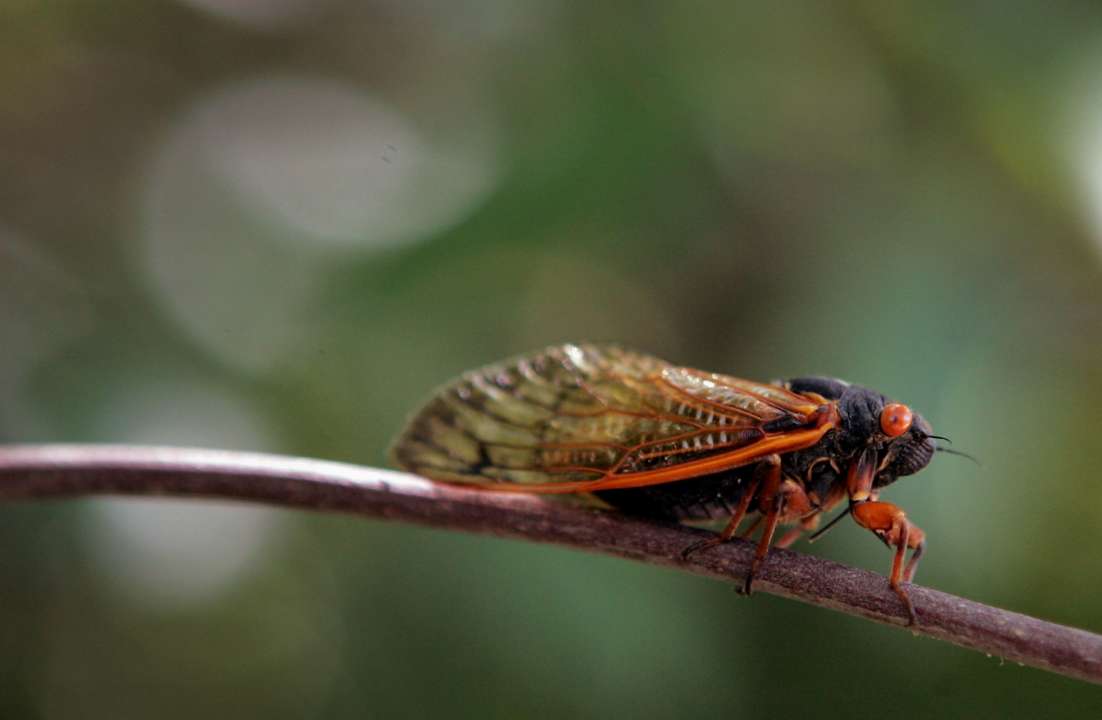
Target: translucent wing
{"x": 580, "y": 418}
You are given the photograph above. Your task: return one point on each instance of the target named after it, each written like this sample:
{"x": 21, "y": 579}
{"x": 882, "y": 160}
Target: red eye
{"x": 895, "y": 419}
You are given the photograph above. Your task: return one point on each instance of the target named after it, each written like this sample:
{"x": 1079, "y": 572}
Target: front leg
{"x": 891, "y": 525}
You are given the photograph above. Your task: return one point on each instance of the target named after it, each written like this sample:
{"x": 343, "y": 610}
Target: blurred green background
{"x": 277, "y": 225}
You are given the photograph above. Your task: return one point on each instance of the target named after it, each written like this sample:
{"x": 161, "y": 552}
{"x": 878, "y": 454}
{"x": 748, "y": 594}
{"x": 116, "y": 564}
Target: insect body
{"x": 675, "y": 443}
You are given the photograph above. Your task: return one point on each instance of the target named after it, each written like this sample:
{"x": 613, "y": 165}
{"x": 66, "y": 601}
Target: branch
{"x": 72, "y": 470}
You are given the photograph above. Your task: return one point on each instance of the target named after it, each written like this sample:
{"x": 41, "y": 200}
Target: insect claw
{"x": 912, "y": 617}
{"x": 704, "y": 544}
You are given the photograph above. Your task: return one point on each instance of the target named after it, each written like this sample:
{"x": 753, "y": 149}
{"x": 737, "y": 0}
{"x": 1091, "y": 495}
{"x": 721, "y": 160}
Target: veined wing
{"x": 581, "y": 418}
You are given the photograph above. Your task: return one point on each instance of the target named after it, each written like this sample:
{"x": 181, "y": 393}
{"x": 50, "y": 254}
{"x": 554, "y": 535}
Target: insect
{"x": 674, "y": 443}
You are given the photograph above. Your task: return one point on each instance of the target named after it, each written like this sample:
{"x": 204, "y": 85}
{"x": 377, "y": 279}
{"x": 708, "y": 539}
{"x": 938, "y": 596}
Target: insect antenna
{"x": 951, "y": 451}
{"x": 822, "y": 531}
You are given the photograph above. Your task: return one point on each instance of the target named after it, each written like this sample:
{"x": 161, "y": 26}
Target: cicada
{"x": 677, "y": 444}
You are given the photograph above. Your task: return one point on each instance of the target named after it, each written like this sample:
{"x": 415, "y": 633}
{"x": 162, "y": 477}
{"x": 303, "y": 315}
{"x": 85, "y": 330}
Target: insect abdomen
{"x": 710, "y": 497}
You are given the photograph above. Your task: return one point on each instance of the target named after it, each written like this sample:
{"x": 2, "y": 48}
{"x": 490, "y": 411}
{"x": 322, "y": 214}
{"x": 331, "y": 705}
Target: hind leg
{"x": 762, "y": 478}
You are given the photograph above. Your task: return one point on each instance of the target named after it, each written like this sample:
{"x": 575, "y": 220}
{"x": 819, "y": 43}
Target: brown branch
{"x": 71, "y": 470}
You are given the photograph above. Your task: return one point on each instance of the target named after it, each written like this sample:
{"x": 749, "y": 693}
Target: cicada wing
{"x": 581, "y": 417}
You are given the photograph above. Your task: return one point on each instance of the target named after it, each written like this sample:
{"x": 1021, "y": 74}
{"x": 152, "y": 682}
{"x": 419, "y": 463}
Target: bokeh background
{"x": 276, "y": 225}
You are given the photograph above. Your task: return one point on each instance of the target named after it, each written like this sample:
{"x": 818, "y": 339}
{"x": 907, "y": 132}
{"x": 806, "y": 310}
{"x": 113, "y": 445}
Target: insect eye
{"x": 895, "y": 419}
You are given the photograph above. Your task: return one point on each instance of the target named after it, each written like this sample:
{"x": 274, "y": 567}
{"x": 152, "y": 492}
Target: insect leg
{"x": 797, "y": 508}
{"x": 891, "y": 525}
{"x": 912, "y": 565}
{"x": 732, "y": 526}
{"x": 771, "y": 497}
{"x": 808, "y": 524}
{"x": 745, "y": 534}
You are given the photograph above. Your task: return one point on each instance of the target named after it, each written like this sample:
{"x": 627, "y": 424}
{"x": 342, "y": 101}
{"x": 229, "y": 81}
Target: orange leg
{"x": 771, "y": 519}
{"x": 732, "y": 525}
{"x": 891, "y": 525}
{"x": 912, "y": 565}
{"x": 753, "y": 527}
{"x": 808, "y": 524}
{"x": 772, "y": 498}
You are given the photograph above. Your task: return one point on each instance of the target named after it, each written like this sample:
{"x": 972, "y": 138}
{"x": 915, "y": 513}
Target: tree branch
{"x": 72, "y": 470}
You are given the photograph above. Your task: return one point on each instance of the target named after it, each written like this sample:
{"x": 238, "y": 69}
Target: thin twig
{"x": 71, "y": 470}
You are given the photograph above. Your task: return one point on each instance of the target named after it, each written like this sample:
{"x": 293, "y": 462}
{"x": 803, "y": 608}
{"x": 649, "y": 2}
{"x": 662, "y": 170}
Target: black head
{"x": 890, "y": 440}
{"x": 900, "y": 439}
